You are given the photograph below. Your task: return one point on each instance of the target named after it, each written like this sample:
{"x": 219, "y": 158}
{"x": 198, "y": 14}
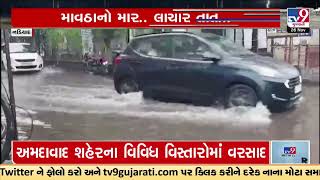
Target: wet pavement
{"x": 75, "y": 105}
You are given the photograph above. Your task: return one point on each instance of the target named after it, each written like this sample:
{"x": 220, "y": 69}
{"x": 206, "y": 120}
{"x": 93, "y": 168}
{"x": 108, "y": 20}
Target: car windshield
{"x": 21, "y": 48}
{"x": 226, "y": 45}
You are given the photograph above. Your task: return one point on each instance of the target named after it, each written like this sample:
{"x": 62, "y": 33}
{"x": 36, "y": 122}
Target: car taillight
{"x": 117, "y": 60}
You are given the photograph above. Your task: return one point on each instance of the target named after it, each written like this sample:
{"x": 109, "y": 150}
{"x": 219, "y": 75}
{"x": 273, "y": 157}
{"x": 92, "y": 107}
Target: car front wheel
{"x": 241, "y": 95}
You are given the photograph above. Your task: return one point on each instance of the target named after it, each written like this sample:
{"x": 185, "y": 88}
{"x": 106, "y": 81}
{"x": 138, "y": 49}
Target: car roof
{"x": 192, "y": 34}
{"x": 164, "y": 34}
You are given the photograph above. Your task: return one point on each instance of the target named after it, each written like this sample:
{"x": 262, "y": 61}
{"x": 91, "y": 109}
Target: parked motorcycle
{"x": 96, "y": 64}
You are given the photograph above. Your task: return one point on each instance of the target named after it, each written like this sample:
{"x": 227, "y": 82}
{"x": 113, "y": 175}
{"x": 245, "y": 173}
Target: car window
{"x": 21, "y": 48}
{"x": 225, "y": 46}
{"x": 186, "y": 47}
{"x": 153, "y": 46}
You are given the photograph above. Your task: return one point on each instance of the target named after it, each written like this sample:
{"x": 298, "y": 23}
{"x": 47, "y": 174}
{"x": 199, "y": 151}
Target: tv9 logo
{"x": 290, "y": 150}
{"x": 298, "y": 20}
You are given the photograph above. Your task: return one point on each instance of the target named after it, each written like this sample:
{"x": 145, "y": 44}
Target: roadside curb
{"x": 74, "y": 66}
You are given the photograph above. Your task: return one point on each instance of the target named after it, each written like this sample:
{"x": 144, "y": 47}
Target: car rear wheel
{"x": 241, "y": 95}
{"x": 128, "y": 85}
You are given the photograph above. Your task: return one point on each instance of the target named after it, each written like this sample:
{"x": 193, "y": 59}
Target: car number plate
{"x": 298, "y": 88}
{"x": 27, "y": 63}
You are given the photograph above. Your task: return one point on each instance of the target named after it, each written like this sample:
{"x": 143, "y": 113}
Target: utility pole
{"x": 224, "y": 31}
{"x": 10, "y": 78}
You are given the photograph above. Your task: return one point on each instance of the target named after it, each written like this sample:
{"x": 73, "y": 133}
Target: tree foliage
{"x": 55, "y": 38}
{"x": 74, "y": 41}
{"x": 105, "y": 36}
{"x": 57, "y": 41}
{"x": 68, "y": 40}
{"x": 108, "y": 34}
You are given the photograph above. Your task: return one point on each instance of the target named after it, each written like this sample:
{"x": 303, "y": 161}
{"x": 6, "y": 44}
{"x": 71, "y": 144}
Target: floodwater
{"x": 73, "y": 105}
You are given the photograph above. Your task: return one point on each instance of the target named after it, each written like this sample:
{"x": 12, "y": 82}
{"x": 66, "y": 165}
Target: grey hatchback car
{"x": 204, "y": 68}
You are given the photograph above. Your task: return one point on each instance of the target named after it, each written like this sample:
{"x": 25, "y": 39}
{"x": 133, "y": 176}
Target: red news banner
{"x": 144, "y": 18}
{"x": 138, "y": 152}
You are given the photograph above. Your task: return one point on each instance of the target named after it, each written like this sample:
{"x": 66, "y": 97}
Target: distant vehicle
{"x": 23, "y": 58}
{"x": 99, "y": 64}
{"x": 205, "y": 68}
{"x": 96, "y": 64}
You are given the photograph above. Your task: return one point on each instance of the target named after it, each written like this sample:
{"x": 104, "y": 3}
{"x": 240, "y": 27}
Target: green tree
{"x": 74, "y": 42}
{"x": 106, "y": 35}
{"x": 55, "y": 38}
{"x": 64, "y": 41}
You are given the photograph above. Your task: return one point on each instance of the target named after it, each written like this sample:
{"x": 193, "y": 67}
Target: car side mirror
{"x": 208, "y": 56}
{"x": 212, "y": 58}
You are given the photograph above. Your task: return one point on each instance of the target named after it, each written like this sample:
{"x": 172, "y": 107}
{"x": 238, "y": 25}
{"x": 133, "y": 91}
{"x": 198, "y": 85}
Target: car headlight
{"x": 265, "y": 71}
{"x": 13, "y": 61}
{"x": 300, "y": 78}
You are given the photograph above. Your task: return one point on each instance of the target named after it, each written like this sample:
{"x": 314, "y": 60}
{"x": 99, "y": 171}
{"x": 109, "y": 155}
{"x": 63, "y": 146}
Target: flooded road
{"x": 76, "y": 105}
